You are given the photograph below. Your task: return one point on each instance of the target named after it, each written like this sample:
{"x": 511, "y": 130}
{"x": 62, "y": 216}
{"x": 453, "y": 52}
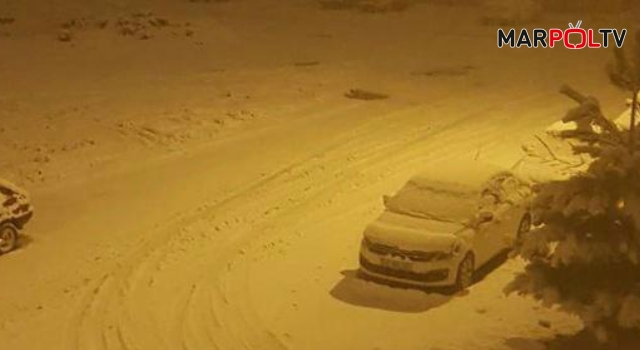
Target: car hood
{"x": 412, "y": 233}
{"x": 8, "y": 189}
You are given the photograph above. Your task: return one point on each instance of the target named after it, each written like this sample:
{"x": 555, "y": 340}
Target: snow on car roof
{"x": 468, "y": 177}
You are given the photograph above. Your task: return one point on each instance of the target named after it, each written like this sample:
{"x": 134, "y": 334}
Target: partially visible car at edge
{"x": 15, "y": 211}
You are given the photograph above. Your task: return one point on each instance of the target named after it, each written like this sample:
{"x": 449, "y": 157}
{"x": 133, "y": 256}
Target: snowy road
{"x": 240, "y": 245}
{"x": 249, "y": 239}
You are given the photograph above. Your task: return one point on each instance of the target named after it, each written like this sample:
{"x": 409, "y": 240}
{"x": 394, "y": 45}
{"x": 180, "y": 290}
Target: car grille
{"x": 431, "y": 276}
{"x": 413, "y": 255}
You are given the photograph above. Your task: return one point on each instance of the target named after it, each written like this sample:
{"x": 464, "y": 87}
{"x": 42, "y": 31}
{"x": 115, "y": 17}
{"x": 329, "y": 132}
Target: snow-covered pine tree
{"x": 584, "y": 257}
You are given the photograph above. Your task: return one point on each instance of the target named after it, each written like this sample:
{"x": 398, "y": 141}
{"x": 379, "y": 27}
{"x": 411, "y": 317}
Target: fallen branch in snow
{"x": 359, "y": 94}
{"x": 567, "y": 165}
{"x": 550, "y": 151}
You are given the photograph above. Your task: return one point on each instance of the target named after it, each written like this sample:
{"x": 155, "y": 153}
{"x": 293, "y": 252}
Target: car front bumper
{"x": 17, "y": 216}
{"x": 423, "y": 274}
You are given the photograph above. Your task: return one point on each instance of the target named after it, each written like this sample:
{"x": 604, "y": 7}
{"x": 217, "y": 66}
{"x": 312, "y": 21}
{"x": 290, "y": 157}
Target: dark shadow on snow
{"x": 401, "y": 297}
{"x": 354, "y": 289}
{"x": 491, "y": 266}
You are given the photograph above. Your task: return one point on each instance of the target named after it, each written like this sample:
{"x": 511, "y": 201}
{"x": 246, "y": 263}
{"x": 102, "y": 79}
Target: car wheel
{"x": 8, "y": 238}
{"x": 466, "y": 270}
{"x": 524, "y": 227}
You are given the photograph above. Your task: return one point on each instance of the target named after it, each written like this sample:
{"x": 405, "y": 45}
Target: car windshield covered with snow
{"x": 445, "y": 202}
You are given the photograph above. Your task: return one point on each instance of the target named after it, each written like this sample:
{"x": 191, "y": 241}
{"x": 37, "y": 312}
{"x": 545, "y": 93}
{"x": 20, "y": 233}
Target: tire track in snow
{"x": 126, "y": 269}
{"x": 114, "y": 318}
{"x": 488, "y": 127}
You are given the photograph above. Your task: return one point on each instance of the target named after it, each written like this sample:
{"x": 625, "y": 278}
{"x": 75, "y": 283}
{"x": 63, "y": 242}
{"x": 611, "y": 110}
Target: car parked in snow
{"x": 436, "y": 233}
{"x": 15, "y": 212}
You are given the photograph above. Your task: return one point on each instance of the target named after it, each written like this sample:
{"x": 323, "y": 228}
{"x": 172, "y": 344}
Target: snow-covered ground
{"x": 201, "y": 181}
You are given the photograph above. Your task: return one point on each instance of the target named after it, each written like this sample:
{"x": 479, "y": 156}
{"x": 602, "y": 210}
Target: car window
{"x": 506, "y": 188}
{"x": 5, "y": 191}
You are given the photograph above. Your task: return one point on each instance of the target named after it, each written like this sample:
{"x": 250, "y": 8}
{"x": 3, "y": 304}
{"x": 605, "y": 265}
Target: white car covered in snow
{"x": 436, "y": 233}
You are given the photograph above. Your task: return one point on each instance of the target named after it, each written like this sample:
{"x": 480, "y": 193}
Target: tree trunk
{"x": 632, "y": 122}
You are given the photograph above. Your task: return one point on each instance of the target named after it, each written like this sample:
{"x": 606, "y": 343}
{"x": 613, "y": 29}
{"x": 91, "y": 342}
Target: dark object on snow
{"x": 358, "y": 94}
{"x": 7, "y": 20}
{"x": 306, "y": 64}
{"x": 65, "y": 36}
{"x": 544, "y": 323}
{"x": 451, "y": 71}
{"x": 371, "y": 6}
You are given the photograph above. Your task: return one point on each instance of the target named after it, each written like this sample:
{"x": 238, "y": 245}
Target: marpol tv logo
{"x": 573, "y": 38}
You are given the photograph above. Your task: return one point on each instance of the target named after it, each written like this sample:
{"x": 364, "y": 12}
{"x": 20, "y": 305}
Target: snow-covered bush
{"x": 585, "y": 256}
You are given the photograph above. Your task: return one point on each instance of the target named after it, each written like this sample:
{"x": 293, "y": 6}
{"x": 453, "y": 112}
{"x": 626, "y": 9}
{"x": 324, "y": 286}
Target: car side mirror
{"x": 385, "y": 199}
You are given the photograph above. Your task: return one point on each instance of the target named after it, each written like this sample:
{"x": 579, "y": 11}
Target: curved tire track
{"x": 185, "y": 287}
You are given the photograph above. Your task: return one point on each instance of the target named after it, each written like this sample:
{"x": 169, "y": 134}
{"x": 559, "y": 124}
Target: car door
{"x": 503, "y": 228}
{"x": 496, "y": 230}
{"x": 483, "y": 241}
